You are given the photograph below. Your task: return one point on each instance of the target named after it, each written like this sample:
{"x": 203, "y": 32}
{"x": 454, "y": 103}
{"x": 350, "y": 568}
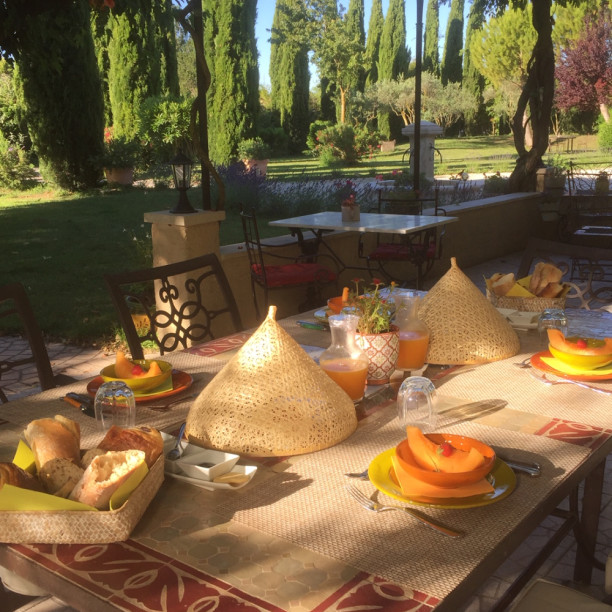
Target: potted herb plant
{"x": 118, "y": 160}
{"x": 255, "y": 154}
{"x": 376, "y": 335}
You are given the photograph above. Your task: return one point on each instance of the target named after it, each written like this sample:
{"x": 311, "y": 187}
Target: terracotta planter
{"x": 120, "y": 176}
{"x": 382, "y": 351}
{"x": 260, "y": 166}
{"x": 350, "y": 213}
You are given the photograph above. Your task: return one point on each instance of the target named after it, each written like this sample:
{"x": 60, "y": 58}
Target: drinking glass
{"x": 415, "y": 403}
{"x": 115, "y": 404}
{"x": 551, "y": 318}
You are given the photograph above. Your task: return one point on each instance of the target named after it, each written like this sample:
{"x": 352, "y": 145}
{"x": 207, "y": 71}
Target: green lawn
{"x": 59, "y": 245}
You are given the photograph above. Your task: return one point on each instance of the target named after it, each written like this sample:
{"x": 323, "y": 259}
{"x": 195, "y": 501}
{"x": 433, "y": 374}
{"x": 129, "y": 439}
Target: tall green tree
{"x": 233, "y": 97}
{"x": 327, "y": 87}
{"x": 141, "y": 59}
{"x": 431, "y": 53}
{"x": 375, "y": 28}
{"x": 451, "y": 70}
{"x": 354, "y": 24}
{"x": 394, "y": 59}
{"x": 289, "y": 74}
{"x": 61, "y": 94}
{"x": 473, "y": 81}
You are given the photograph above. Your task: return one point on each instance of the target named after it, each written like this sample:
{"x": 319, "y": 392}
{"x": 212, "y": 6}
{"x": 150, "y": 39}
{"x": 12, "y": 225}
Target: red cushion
{"x": 291, "y": 275}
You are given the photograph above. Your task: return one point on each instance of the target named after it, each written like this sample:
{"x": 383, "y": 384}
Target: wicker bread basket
{"x": 271, "y": 399}
{"x": 528, "y": 304}
{"x": 82, "y": 527}
{"x": 464, "y": 326}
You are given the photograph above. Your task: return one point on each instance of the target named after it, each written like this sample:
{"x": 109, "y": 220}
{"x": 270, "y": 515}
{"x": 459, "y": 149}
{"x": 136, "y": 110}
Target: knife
{"x": 83, "y": 402}
{"x": 314, "y": 325}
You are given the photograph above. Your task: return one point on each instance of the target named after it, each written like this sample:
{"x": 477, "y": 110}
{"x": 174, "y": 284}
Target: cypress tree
{"x": 59, "y": 86}
{"x": 431, "y": 54}
{"x": 141, "y": 59}
{"x": 233, "y": 97}
{"x": 473, "y": 81}
{"x": 327, "y": 86}
{"x": 354, "y": 23}
{"x": 452, "y": 71}
{"x": 393, "y": 60}
{"x": 375, "y": 28}
{"x": 289, "y": 74}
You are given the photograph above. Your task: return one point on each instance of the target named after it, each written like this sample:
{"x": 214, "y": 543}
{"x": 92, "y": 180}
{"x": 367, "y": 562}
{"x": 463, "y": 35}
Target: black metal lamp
{"x": 181, "y": 172}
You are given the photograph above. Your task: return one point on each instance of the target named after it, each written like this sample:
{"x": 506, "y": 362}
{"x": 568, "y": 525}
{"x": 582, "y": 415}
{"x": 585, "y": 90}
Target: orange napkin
{"x": 413, "y": 487}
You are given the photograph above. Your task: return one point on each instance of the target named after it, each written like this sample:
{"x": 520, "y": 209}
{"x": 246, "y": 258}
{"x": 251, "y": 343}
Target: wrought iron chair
{"x": 191, "y": 296}
{"x": 420, "y": 249}
{"x": 301, "y": 271}
{"x": 589, "y": 270}
{"x": 15, "y": 304}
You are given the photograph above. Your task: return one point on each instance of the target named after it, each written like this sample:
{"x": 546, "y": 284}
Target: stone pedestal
{"x": 429, "y": 131}
{"x": 180, "y": 237}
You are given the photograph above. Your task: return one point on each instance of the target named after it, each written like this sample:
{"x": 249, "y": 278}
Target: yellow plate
{"x": 501, "y": 477}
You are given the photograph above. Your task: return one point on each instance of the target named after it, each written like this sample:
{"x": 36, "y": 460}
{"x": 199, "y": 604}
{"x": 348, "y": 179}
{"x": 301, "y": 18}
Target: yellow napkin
{"x": 24, "y": 500}
{"x": 165, "y": 386}
{"x": 413, "y": 487}
{"x": 566, "y": 368}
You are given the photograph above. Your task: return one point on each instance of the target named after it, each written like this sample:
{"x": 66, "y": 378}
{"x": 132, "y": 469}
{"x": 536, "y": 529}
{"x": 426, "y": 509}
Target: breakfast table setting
{"x": 301, "y": 527}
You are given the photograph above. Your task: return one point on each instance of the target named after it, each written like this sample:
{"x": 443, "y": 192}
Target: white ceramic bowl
{"x": 205, "y": 464}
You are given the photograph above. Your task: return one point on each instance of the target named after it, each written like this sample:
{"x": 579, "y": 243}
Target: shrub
{"x": 15, "y": 171}
{"x": 312, "y": 140}
{"x": 120, "y": 153}
{"x": 495, "y": 184}
{"x": 253, "y": 148}
{"x": 604, "y": 135}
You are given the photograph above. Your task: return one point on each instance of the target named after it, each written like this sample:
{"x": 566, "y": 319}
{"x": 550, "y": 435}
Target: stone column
{"x": 429, "y": 131}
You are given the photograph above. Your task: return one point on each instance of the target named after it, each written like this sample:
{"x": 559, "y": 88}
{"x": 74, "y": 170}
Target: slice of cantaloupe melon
{"x": 426, "y": 454}
{"x": 154, "y": 370}
{"x": 124, "y": 368}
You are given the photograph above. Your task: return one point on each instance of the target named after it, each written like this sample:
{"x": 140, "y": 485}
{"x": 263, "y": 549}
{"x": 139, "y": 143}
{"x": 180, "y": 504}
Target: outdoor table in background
{"x": 293, "y": 537}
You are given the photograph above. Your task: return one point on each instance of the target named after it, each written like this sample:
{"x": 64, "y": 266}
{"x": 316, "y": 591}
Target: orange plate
{"x": 538, "y": 364}
{"x": 180, "y": 382}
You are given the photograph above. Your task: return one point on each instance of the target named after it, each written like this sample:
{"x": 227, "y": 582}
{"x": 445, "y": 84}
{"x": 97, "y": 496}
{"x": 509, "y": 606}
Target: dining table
{"x": 294, "y": 539}
{"x": 322, "y": 223}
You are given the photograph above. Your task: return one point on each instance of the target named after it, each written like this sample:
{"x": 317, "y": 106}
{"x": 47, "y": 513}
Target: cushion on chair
{"x": 544, "y": 596}
{"x": 290, "y": 275}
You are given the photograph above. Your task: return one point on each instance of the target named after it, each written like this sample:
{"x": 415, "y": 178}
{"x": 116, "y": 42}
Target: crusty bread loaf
{"x": 52, "y": 438}
{"x": 551, "y": 290}
{"x": 13, "y": 475}
{"x": 543, "y": 274}
{"x": 105, "y": 474}
{"x": 89, "y": 455}
{"x": 145, "y": 439}
{"x": 59, "y": 476}
{"x": 502, "y": 283}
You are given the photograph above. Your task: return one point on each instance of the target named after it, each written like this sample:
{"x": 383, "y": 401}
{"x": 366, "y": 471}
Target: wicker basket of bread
{"x": 540, "y": 290}
{"x": 54, "y": 492}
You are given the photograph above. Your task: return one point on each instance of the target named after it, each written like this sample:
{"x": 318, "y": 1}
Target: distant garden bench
{"x": 562, "y": 142}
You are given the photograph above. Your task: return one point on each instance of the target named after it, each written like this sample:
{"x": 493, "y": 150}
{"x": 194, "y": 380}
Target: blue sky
{"x": 265, "y": 14}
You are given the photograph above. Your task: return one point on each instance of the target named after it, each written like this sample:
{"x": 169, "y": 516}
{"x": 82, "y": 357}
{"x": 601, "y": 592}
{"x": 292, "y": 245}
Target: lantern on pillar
{"x": 181, "y": 172}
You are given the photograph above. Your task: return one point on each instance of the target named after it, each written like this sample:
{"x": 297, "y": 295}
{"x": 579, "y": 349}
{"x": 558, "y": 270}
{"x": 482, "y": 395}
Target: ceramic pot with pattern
{"x": 382, "y": 351}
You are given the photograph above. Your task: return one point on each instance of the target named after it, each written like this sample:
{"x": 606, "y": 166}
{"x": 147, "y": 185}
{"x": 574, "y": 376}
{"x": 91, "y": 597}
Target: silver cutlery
{"x": 177, "y": 451}
{"x": 361, "y": 475}
{"x": 166, "y": 406}
{"x": 374, "y": 506}
{"x": 531, "y": 469}
{"x": 547, "y": 381}
{"x": 526, "y": 363}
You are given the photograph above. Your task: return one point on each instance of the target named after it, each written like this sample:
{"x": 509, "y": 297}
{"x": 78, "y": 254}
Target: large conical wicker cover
{"x": 271, "y": 399}
{"x": 464, "y": 326}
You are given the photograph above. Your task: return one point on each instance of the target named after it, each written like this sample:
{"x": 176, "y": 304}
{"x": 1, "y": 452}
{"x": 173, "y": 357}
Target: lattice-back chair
{"x": 420, "y": 249}
{"x": 15, "y": 304}
{"x": 587, "y": 269}
{"x": 174, "y": 305}
{"x": 299, "y": 271}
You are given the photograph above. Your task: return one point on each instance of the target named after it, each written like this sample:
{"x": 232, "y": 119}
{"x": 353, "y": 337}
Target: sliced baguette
{"x": 502, "y": 284}
{"x": 52, "y": 438}
{"x": 59, "y": 476}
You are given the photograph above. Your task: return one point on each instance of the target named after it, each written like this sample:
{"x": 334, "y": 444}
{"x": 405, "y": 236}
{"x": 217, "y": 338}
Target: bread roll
{"x": 89, "y": 455}
{"x": 105, "y": 474}
{"x": 145, "y": 439}
{"x": 543, "y": 274}
{"x": 13, "y": 475}
{"x": 54, "y": 438}
{"x": 551, "y": 290}
{"x": 59, "y": 476}
{"x": 502, "y": 283}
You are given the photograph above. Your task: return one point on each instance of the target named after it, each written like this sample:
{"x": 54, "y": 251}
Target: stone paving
{"x": 83, "y": 363}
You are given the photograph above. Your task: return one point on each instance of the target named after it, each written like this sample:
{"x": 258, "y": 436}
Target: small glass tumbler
{"x": 415, "y": 403}
{"x": 551, "y": 318}
{"x": 115, "y": 405}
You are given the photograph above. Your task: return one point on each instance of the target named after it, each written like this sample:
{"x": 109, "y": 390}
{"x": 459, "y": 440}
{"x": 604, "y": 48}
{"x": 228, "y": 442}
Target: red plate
{"x": 537, "y": 363}
{"x": 180, "y": 382}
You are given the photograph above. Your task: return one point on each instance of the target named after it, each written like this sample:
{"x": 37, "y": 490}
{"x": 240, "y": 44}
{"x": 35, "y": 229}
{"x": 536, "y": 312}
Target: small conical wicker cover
{"x": 271, "y": 399}
{"x": 464, "y": 326}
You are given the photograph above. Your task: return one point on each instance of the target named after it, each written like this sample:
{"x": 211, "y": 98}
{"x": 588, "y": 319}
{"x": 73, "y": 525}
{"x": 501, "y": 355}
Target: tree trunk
{"x": 342, "y": 104}
{"x": 605, "y": 113}
{"x": 538, "y": 95}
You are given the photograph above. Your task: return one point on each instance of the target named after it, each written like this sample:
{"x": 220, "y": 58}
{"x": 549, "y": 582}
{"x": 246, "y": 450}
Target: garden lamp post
{"x": 181, "y": 172}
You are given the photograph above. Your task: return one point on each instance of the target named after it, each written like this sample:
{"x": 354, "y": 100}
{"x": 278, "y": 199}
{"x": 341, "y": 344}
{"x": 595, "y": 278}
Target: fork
{"x": 374, "y": 506}
{"x": 547, "y": 381}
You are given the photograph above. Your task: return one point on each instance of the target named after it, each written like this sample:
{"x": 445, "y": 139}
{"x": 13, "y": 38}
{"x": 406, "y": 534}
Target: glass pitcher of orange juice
{"x": 413, "y": 333}
{"x": 344, "y": 361}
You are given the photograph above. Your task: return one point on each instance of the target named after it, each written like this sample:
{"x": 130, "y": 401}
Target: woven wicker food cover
{"x": 271, "y": 399}
{"x": 464, "y": 326}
